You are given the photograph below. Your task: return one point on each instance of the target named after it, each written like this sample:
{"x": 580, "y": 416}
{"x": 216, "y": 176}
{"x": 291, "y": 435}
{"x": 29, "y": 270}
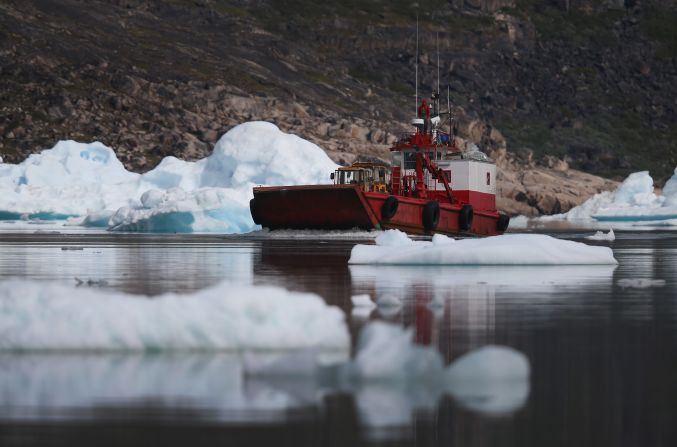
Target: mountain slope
{"x": 592, "y": 82}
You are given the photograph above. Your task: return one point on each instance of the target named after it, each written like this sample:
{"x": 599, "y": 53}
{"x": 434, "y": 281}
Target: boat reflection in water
{"x": 459, "y": 309}
{"x": 437, "y": 300}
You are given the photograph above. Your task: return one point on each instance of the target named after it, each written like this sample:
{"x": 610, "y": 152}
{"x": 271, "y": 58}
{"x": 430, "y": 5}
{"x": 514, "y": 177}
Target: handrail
{"x": 432, "y": 167}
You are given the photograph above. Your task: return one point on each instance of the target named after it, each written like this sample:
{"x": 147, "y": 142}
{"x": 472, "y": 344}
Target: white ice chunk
{"x": 393, "y": 238}
{"x": 519, "y": 222}
{"x": 388, "y": 300}
{"x": 362, "y": 301}
{"x": 492, "y": 379}
{"x": 511, "y": 249}
{"x": 441, "y": 239}
{"x": 601, "y": 236}
{"x": 670, "y": 190}
{"x": 258, "y": 153}
{"x": 633, "y": 200}
{"x": 48, "y": 316}
{"x": 387, "y": 352}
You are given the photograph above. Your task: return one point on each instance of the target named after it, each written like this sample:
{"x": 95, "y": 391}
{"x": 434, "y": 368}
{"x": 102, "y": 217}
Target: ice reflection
{"x": 440, "y": 299}
{"x": 63, "y": 386}
{"x": 140, "y": 265}
{"x": 397, "y": 279}
{"x": 239, "y": 388}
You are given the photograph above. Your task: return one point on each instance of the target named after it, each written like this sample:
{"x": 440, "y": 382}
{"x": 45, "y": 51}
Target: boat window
{"x": 396, "y": 159}
{"x": 410, "y": 160}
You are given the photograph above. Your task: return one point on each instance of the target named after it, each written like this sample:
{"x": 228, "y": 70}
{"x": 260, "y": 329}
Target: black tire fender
{"x": 431, "y": 215}
{"x": 389, "y": 208}
{"x": 465, "y": 218}
{"x": 502, "y": 223}
{"x": 252, "y": 210}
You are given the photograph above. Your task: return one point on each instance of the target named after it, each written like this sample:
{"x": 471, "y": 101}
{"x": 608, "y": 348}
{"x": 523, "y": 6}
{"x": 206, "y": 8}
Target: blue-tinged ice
{"x": 88, "y": 185}
{"x": 633, "y": 201}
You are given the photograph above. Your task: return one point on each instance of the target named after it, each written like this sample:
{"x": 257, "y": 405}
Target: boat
{"x": 432, "y": 185}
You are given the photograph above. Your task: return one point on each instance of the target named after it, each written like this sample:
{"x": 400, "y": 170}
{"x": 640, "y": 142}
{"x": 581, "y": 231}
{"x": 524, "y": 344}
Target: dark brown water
{"x": 603, "y": 356}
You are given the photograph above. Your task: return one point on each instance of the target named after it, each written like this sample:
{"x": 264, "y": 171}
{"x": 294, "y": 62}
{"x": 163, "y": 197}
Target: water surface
{"x": 603, "y": 357}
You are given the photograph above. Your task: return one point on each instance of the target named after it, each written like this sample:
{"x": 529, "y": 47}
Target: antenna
{"x": 416, "y": 105}
{"x": 449, "y": 109}
{"x": 438, "y": 62}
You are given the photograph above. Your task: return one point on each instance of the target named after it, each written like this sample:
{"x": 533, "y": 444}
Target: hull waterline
{"x": 342, "y": 207}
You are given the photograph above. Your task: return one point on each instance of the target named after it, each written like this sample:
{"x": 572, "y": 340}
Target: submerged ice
{"x": 89, "y": 185}
{"x": 394, "y": 247}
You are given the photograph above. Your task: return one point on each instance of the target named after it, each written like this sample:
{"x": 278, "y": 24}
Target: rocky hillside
{"x": 548, "y": 87}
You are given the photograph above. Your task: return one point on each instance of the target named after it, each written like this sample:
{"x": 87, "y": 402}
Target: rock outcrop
{"x": 548, "y": 187}
{"x": 587, "y": 85}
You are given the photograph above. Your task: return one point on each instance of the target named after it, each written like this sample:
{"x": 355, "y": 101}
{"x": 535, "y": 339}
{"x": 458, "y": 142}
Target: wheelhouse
{"x": 370, "y": 176}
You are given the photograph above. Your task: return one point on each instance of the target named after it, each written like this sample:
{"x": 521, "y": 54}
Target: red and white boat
{"x": 431, "y": 186}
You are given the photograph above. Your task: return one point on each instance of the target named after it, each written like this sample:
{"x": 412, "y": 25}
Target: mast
{"x": 438, "y": 62}
{"x": 416, "y": 104}
{"x": 437, "y": 100}
{"x": 449, "y": 110}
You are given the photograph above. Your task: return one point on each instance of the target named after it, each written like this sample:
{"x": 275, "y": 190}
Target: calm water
{"x": 603, "y": 357}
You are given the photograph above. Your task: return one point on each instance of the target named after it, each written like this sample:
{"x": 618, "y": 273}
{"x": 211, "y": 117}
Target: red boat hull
{"x": 342, "y": 207}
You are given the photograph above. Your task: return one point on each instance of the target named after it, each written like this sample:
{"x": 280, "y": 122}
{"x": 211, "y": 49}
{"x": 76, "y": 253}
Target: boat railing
{"x": 404, "y": 137}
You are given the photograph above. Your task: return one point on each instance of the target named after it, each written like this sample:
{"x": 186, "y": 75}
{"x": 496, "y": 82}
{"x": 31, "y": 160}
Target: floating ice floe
{"x": 634, "y": 200}
{"x": 88, "y": 185}
{"x": 601, "y": 236}
{"x": 388, "y": 301}
{"x": 640, "y": 283}
{"x": 493, "y": 379}
{"x": 362, "y": 301}
{"x": 391, "y": 376}
{"x": 53, "y": 317}
{"x": 394, "y": 247}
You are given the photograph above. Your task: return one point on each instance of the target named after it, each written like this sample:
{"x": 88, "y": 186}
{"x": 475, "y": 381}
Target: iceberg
{"x": 601, "y": 236}
{"x": 44, "y": 316}
{"x": 394, "y": 247}
{"x": 88, "y": 185}
{"x": 634, "y": 200}
{"x": 392, "y": 377}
